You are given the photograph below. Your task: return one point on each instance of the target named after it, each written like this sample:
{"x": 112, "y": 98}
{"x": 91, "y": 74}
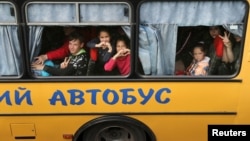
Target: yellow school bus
{"x": 156, "y": 101}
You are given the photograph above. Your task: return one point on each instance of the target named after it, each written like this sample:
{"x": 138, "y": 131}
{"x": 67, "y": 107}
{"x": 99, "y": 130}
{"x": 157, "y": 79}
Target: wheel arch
{"x": 150, "y": 136}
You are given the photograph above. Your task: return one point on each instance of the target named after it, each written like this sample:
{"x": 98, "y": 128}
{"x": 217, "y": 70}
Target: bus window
{"x": 10, "y": 60}
{"x": 87, "y": 18}
{"x": 167, "y": 32}
{"x": 115, "y": 13}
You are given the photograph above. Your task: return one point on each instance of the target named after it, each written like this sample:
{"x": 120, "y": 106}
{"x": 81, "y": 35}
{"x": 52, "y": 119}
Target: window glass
{"x": 51, "y": 13}
{"x": 7, "y": 13}
{"x": 169, "y": 32}
{"x": 65, "y": 13}
{"x": 105, "y": 12}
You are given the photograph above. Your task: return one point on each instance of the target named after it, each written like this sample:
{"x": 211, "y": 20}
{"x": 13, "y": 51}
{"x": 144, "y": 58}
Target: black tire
{"x": 114, "y": 131}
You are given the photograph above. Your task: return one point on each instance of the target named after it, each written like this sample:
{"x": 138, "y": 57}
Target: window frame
{"x": 81, "y": 24}
{"x": 184, "y": 77}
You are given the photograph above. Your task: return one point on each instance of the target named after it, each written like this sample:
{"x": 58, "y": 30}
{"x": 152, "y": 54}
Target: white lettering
{"x": 216, "y": 132}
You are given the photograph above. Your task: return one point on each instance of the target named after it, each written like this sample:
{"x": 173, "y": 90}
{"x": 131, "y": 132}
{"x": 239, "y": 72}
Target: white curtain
{"x": 35, "y": 41}
{"x": 11, "y": 63}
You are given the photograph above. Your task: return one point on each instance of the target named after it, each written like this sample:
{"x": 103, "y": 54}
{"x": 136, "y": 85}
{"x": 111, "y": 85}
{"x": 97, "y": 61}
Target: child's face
{"x": 104, "y": 36}
{"x": 214, "y": 31}
{"x": 75, "y": 46}
{"x": 120, "y": 45}
{"x": 198, "y": 54}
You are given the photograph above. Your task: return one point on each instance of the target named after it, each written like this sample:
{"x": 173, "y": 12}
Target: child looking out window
{"x": 121, "y": 59}
{"x": 75, "y": 64}
{"x": 104, "y": 51}
{"x": 200, "y": 64}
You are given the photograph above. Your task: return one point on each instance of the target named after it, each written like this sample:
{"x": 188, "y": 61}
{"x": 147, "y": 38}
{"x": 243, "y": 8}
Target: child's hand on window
{"x": 35, "y": 66}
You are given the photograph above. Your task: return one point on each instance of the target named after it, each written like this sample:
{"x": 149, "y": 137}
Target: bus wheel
{"x": 114, "y": 131}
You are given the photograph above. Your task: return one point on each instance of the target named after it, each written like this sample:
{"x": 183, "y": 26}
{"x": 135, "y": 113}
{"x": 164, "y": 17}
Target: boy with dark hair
{"x": 59, "y": 53}
{"x": 75, "y": 64}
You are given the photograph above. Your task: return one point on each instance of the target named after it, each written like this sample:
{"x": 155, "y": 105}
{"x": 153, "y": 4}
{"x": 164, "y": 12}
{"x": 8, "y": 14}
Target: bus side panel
{"x": 165, "y": 127}
{"x": 100, "y": 97}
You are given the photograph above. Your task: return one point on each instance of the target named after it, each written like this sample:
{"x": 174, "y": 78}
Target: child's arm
{"x": 52, "y": 70}
{"x": 60, "y": 72}
{"x": 59, "y": 53}
{"x": 92, "y": 43}
{"x": 110, "y": 65}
